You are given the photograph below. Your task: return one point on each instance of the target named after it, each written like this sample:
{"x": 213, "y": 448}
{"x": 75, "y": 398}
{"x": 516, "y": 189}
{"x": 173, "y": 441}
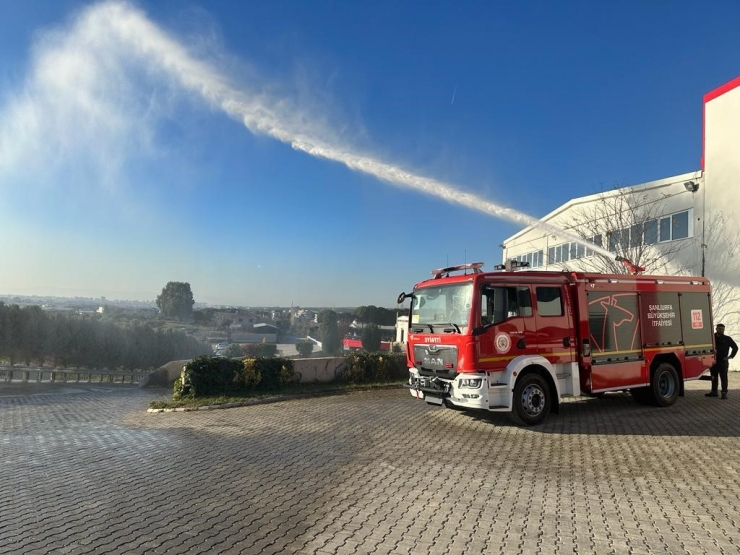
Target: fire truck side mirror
{"x": 403, "y": 296}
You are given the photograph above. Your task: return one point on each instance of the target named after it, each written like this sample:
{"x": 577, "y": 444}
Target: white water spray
{"x": 112, "y": 26}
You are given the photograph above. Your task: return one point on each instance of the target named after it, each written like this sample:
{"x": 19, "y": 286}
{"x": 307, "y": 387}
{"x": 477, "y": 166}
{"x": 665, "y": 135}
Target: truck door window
{"x": 549, "y": 301}
{"x": 501, "y": 303}
{"x": 524, "y": 300}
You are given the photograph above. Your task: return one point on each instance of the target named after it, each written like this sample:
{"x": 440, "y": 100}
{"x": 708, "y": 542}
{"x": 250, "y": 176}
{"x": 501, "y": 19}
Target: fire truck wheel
{"x": 664, "y": 385}
{"x": 532, "y": 400}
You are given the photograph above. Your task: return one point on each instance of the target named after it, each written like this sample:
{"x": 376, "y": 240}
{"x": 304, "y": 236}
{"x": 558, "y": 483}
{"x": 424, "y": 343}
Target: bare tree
{"x": 626, "y": 223}
{"x": 716, "y": 255}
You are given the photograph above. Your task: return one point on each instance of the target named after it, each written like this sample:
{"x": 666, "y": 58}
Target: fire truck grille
{"x": 436, "y": 360}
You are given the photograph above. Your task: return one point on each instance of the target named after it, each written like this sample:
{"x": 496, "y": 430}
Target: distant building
{"x": 265, "y": 329}
{"x": 238, "y": 319}
{"x": 402, "y": 329}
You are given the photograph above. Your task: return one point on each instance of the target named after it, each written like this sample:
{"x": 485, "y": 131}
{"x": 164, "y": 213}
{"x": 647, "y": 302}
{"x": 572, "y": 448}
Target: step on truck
{"x": 519, "y": 341}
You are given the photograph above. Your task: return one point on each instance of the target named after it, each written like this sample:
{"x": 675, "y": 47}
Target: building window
{"x": 680, "y": 226}
{"x": 565, "y": 252}
{"x": 664, "y": 229}
{"x": 613, "y": 239}
{"x": 650, "y": 232}
{"x": 668, "y": 228}
{"x": 535, "y": 259}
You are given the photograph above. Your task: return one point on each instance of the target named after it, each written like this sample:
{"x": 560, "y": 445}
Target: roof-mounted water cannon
{"x": 633, "y": 268}
{"x": 512, "y": 265}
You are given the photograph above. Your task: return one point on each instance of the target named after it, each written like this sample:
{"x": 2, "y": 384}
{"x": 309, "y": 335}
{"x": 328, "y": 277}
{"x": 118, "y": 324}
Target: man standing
{"x": 723, "y": 343}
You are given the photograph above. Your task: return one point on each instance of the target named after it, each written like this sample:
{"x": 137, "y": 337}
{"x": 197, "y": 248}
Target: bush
{"x": 276, "y": 373}
{"x": 304, "y": 348}
{"x": 233, "y": 351}
{"x": 254, "y": 350}
{"x": 204, "y": 376}
{"x": 179, "y": 392}
{"x": 249, "y": 376}
{"x": 364, "y": 367}
{"x": 212, "y": 376}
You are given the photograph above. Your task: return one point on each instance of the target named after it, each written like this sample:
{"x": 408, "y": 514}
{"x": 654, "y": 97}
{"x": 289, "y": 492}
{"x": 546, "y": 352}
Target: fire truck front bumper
{"x": 432, "y": 390}
{"x": 468, "y": 391}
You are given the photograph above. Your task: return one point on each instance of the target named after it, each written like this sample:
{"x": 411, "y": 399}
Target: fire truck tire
{"x": 532, "y": 400}
{"x": 664, "y": 385}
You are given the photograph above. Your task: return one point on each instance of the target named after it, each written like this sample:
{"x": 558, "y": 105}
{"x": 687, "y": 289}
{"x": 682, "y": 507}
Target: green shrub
{"x": 233, "y": 351}
{"x": 180, "y": 392}
{"x": 304, "y": 348}
{"x": 207, "y": 375}
{"x": 276, "y": 373}
{"x": 254, "y": 350}
{"x": 249, "y": 377}
{"x": 364, "y": 367}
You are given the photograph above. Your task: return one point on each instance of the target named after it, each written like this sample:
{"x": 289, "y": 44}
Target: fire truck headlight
{"x": 471, "y": 383}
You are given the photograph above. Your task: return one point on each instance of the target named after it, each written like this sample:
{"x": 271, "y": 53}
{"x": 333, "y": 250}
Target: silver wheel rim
{"x": 533, "y": 400}
{"x": 666, "y": 385}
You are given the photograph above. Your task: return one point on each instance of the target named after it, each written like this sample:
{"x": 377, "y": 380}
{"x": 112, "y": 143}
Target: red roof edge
{"x": 711, "y": 95}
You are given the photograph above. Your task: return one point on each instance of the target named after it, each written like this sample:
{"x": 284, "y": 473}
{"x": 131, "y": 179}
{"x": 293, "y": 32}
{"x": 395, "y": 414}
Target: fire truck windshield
{"x": 443, "y": 308}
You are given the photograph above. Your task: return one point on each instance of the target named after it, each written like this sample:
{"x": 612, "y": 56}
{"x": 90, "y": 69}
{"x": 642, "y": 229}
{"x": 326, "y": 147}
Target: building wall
{"x": 670, "y": 195}
{"x": 722, "y": 168}
{"x": 713, "y": 248}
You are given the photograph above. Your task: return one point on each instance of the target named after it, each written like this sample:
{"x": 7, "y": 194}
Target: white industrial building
{"x": 687, "y": 223}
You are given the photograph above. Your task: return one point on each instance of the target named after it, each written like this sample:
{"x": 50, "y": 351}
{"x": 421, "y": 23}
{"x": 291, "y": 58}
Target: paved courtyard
{"x": 85, "y": 469}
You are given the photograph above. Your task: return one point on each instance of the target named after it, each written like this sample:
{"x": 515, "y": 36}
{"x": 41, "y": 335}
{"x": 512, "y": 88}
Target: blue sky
{"x": 148, "y": 142}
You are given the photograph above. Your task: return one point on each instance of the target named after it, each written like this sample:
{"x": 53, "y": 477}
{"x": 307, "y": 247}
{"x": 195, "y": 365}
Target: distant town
{"x": 226, "y": 329}
{"x": 93, "y": 304}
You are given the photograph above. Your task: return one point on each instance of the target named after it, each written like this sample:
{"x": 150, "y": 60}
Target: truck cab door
{"x": 510, "y": 331}
{"x": 555, "y": 338}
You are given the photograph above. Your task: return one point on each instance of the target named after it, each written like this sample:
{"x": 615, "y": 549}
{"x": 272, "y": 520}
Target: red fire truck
{"x": 519, "y": 341}
{"x": 354, "y": 343}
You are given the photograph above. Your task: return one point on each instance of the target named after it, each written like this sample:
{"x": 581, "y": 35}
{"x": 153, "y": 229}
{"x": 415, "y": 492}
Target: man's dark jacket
{"x": 724, "y": 343}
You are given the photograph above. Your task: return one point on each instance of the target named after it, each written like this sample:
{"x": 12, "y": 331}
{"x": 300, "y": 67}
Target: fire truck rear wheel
{"x": 532, "y": 400}
{"x": 664, "y": 385}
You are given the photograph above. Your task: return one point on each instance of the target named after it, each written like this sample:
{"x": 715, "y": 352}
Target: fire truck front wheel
{"x": 532, "y": 400}
{"x": 665, "y": 385}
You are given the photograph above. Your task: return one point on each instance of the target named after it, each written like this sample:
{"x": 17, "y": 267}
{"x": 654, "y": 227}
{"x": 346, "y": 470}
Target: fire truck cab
{"x": 519, "y": 341}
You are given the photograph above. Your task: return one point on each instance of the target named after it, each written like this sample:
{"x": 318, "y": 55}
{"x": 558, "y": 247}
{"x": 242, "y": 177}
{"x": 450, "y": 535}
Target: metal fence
{"x": 64, "y": 375}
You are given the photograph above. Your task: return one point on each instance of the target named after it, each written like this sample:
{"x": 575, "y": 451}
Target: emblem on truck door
{"x": 502, "y": 342}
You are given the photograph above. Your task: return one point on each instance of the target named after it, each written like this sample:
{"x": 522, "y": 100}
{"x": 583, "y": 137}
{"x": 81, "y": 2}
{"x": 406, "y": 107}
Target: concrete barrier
{"x": 323, "y": 369}
{"x": 164, "y": 376}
